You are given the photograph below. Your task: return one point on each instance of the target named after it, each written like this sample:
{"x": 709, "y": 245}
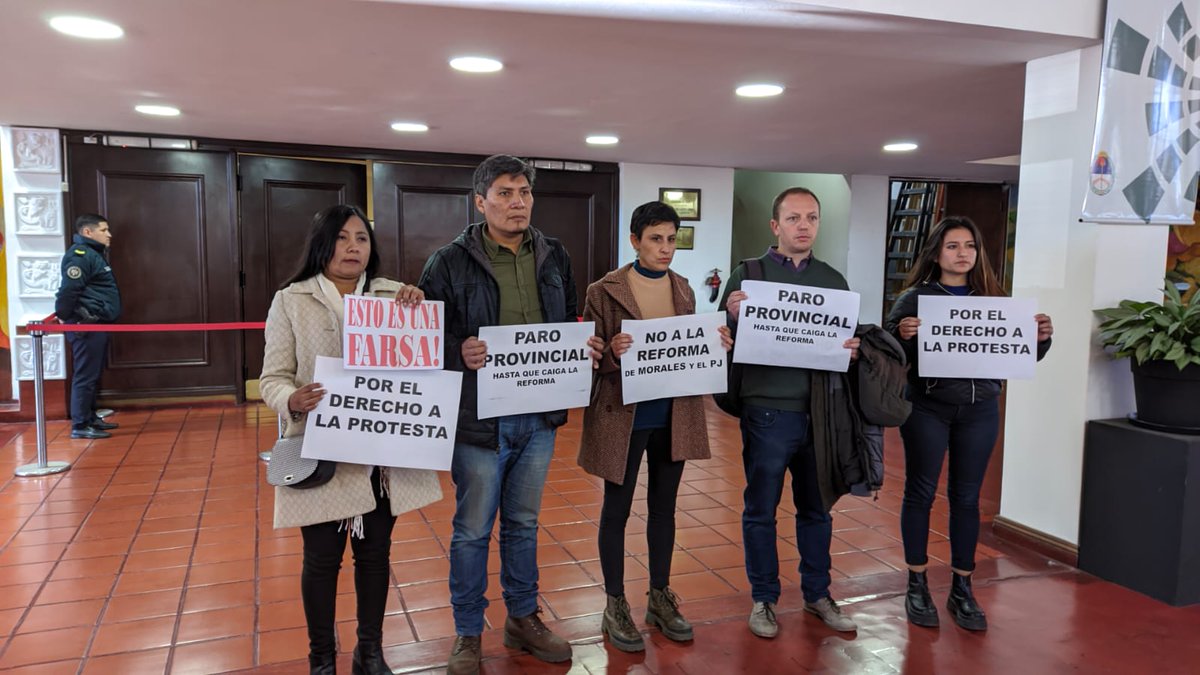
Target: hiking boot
{"x": 464, "y": 656}
{"x": 918, "y": 603}
{"x": 530, "y": 634}
{"x": 618, "y": 625}
{"x": 831, "y": 614}
{"x": 762, "y": 620}
{"x": 663, "y": 611}
{"x": 966, "y": 612}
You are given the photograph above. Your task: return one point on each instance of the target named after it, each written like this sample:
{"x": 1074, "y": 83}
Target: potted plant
{"x": 1163, "y": 340}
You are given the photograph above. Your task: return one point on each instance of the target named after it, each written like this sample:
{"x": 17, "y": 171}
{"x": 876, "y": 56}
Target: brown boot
{"x": 464, "y": 656}
{"x": 663, "y": 611}
{"x": 618, "y": 625}
{"x": 530, "y": 634}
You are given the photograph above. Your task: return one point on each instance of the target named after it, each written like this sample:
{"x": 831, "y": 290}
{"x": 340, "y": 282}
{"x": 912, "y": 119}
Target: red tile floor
{"x": 155, "y": 554}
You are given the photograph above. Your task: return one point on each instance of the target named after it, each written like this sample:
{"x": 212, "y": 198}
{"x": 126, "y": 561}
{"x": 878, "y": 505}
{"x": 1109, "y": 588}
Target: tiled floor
{"x": 155, "y": 553}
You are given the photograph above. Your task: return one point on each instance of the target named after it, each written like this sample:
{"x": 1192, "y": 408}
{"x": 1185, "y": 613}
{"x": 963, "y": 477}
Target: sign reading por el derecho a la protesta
{"x": 401, "y": 418}
{"x": 674, "y": 356}
{"x": 535, "y": 368}
{"x": 795, "y": 326}
{"x": 380, "y": 333}
{"x": 977, "y": 338}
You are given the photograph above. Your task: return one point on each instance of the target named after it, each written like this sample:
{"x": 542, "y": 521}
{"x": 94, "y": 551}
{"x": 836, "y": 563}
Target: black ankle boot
{"x": 368, "y": 660}
{"x": 324, "y": 664}
{"x": 966, "y": 612}
{"x": 918, "y": 603}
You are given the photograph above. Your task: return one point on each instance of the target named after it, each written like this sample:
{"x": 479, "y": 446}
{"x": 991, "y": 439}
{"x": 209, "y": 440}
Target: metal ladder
{"x": 911, "y": 218}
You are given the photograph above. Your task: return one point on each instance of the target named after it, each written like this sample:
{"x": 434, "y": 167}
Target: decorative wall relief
{"x": 39, "y": 213}
{"x": 38, "y": 275}
{"x": 53, "y": 361}
{"x": 35, "y": 150}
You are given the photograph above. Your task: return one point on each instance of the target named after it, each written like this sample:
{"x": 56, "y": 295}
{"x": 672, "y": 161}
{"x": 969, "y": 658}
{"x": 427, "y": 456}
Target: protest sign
{"x": 675, "y": 356}
{"x": 795, "y": 326}
{"x": 380, "y": 333}
{"x": 384, "y": 417}
{"x": 977, "y": 338}
{"x": 535, "y": 368}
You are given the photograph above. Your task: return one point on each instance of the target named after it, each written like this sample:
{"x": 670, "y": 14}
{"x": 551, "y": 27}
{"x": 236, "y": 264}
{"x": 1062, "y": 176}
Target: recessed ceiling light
{"x": 159, "y": 110}
{"x": 410, "y": 127}
{"x": 83, "y": 27}
{"x": 475, "y": 64}
{"x": 900, "y": 147}
{"x": 759, "y": 90}
{"x": 602, "y": 140}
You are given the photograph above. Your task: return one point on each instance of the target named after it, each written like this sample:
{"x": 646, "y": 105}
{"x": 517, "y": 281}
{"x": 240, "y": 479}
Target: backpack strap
{"x": 754, "y": 269}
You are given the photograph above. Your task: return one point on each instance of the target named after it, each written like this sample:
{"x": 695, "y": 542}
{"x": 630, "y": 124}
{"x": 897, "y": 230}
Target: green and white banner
{"x": 1145, "y": 161}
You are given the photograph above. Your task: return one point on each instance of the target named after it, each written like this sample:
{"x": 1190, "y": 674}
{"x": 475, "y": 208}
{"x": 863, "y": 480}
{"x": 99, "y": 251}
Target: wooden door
{"x": 279, "y": 196}
{"x": 175, "y": 258}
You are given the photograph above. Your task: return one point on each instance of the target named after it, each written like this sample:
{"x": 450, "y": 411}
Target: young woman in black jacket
{"x": 959, "y": 417}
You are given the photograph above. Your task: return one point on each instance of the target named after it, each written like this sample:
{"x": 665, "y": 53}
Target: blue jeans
{"x": 510, "y": 480}
{"x": 968, "y": 434}
{"x": 774, "y": 442}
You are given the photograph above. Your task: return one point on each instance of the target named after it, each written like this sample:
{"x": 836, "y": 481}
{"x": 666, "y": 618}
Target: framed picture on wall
{"x": 685, "y": 238}
{"x": 685, "y": 201}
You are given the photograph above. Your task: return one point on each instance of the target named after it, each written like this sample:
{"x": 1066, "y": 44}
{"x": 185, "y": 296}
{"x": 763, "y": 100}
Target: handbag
{"x": 288, "y": 469}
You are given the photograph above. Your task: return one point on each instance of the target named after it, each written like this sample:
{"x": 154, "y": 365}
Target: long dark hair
{"x": 322, "y": 242}
{"x": 925, "y": 269}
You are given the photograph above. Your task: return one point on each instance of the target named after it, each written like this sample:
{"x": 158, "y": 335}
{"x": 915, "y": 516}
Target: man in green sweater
{"x": 777, "y": 431}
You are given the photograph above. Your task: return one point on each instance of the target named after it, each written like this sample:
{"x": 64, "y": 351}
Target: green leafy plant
{"x": 1152, "y": 331}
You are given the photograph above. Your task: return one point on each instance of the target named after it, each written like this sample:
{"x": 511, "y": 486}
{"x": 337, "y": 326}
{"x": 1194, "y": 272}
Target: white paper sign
{"x": 384, "y": 417}
{"x": 675, "y": 356}
{"x": 795, "y": 326}
{"x": 382, "y": 334}
{"x": 977, "y": 338}
{"x": 535, "y": 368}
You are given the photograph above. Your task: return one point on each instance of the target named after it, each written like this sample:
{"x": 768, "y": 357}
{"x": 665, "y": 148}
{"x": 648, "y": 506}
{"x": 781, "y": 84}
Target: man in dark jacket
{"x": 88, "y": 294}
{"x": 778, "y": 432}
{"x": 500, "y": 272}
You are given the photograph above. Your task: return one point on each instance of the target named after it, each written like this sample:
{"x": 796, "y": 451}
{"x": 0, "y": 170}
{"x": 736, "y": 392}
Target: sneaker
{"x": 464, "y": 656}
{"x": 663, "y": 611}
{"x": 618, "y": 626}
{"x": 104, "y": 412}
{"x": 831, "y": 614}
{"x": 762, "y": 620}
{"x": 530, "y": 634}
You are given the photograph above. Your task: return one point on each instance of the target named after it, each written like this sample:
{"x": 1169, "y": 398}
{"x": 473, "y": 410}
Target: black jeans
{"x": 660, "y": 500}
{"x": 969, "y": 433}
{"x": 88, "y": 351}
{"x": 324, "y": 544}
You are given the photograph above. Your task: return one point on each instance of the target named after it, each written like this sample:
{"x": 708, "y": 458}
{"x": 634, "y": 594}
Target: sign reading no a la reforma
{"x": 795, "y": 326}
{"x": 977, "y": 337}
{"x": 1145, "y": 161}
{"x": 535, "y": 368}
{"x": 674, "y": 356}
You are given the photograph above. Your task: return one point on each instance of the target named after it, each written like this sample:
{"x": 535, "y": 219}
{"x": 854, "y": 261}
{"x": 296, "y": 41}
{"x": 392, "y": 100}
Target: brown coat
{"x": 607, "y": 423}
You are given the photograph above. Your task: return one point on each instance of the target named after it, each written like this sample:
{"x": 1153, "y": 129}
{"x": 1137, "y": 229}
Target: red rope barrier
{"x": 141, "y": 327}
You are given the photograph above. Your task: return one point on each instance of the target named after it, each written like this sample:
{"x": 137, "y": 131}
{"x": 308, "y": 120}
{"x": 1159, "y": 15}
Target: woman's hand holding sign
{"x": 410, "y": 295}
{"x": 306, "y": 398}
{"x": 621, "y": 343}
{"x": 726, "y": 338}
{"x": 908, "y": 327}
{"x": 1045, "y": 327}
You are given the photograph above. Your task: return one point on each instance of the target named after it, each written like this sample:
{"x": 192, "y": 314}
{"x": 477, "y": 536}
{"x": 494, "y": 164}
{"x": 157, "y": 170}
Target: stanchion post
{"x": 43, "y": 466}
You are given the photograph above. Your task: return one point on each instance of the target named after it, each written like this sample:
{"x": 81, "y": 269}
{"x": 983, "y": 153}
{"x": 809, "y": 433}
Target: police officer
{"x": 88, "y": 294}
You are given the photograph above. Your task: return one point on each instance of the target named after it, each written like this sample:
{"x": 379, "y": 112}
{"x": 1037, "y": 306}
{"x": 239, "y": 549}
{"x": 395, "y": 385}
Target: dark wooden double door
{"x": 211, "y": 236}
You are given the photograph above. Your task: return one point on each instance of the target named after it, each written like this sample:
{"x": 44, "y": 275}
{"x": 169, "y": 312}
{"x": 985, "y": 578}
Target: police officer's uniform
{"x": 87, "y": 294}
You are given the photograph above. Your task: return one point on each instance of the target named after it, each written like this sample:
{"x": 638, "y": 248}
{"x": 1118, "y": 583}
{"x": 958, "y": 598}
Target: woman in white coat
{"x": 305, "y": 321}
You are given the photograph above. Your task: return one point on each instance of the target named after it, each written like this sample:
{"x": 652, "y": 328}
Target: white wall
{"x": 640, "y": 184}
{"x": 1080, "y": 18}
{"x": 1071, "y": 268}
{"x": 867, "y": 244}
{"x": 18, "y": 246}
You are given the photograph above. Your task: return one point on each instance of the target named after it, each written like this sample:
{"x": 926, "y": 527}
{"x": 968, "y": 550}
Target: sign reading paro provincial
{"x": 535, "y": 368}
{"x": 977, "y": 337}
{"x": 795, "y": 326}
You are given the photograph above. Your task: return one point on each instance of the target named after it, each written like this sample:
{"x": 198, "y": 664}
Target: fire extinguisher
{"x": 714, "y": 284}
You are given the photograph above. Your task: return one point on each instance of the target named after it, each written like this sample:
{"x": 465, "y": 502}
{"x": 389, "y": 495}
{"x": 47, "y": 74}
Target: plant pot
{"x": 1165, "y": 395}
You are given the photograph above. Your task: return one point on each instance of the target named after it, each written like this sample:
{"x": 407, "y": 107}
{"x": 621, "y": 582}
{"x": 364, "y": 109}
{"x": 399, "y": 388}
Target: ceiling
{"x": 338, "y": 72}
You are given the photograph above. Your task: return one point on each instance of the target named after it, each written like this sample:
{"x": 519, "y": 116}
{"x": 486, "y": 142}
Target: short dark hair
{"x": 788, "y": 193}
{"x": 500, "y": 165}
{"x": 322, "y": 239}
{"x": 652, "y": 213}
{"x": 88, "y": 221}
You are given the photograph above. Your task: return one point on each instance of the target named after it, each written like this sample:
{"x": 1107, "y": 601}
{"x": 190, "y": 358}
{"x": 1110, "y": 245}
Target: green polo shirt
{"x": 516, "y": 274}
